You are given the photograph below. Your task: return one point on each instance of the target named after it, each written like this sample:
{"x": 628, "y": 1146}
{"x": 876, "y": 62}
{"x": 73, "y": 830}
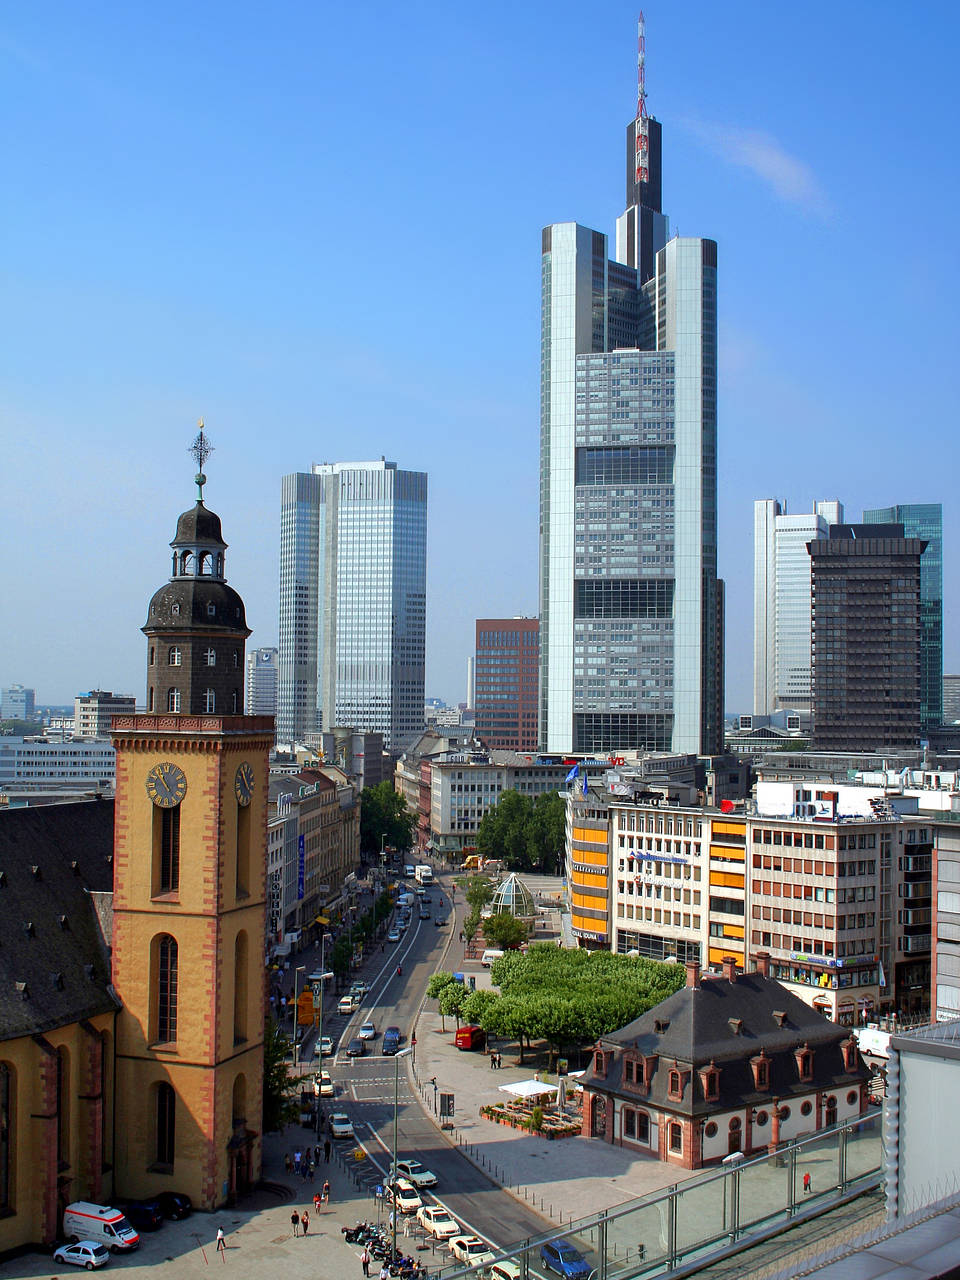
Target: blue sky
{"x": 318, "y": 226}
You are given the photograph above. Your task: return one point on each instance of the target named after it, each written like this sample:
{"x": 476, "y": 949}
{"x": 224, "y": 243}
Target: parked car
{"x": 505, "y": 1270}
{"x": 563, "y": 1259}
{"x": 85, "y": 1253}
{"x": 437, "y": 1222}
{"x": 356, "y": 1048}
{"x": 391, "y": 1041}
{"x": 175, "y": 1205}
{"x": 404, "y": 1195}
{"x": 368, "y": 1031}
{"x": 340, "y": 1126}
{"x": 414, "y": 1172}
{"x": 471, "y": 1250}
{"x": 145, "y": 1215}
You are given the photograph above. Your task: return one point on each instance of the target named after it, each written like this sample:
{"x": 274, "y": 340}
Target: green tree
{"x": 279, "y": 1104}
{"x": 435, "y": 988}
{"x": 523, "y": 833}
{"x": 478, "y": 891}
{"x": 476, "y": 1005}
{"x": 385, "y": 819}
{"x": 546, "y": 833}
{"x": 451, "y": 1001}
{"x": 504, "y": 930}
{"x": 341, "y": 955}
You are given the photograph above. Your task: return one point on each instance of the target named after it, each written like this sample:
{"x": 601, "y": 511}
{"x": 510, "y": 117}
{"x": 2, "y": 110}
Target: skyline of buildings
{"x": 630, "y": 631}
{"x": 352, "y": 601}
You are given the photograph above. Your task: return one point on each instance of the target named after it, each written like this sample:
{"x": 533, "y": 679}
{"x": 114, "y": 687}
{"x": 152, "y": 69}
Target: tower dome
{"x": 196, "y": 624}
{"x": 514, "y": 896}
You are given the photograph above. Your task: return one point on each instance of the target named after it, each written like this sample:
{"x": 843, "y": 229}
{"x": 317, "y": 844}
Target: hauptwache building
{"x": 131, "y": 959}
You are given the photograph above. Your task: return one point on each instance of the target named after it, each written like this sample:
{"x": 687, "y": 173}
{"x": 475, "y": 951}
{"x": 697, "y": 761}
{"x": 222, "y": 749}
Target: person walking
{"x": 316, "y": 1154}
{"x": 221, "y": 1241}
{"x": 325, "y": 1193}
{"x": 807, "y": 1184}
{"x": 326, "y": 1151}
{"x": 316, "y": 1202}
{"x": 365, "y": 1260}
{"x": 384, "y": 1271}
{"x": 295, "y": 1222}
{"x": 493, "y": 1060}
{"x": 305, "y": 1221}
{"x": 297, "y": 1157}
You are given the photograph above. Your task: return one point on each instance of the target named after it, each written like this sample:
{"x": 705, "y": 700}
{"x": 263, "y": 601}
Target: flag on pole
{"x": 574, "y": 773}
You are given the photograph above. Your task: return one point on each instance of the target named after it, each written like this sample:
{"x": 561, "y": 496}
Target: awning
{"x": 528, "y": 1089}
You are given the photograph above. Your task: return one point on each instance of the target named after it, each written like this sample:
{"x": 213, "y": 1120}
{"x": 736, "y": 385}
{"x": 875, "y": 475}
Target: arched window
{"x": 174, "y": 657}
{"x": 153, "y": 655}
{"x": 166, "y": 1121}
{"x": 63, "y": 1107}
{"x": 8, "y": 1107}
{"x": 676, "y": 1139}
{"x": 204, "y": 560}
{"x": 209, "y": 701}
{"x": 243, "y": 851}
{"x": 173, "y": 699}
{"x": 240, "y": 988}
{"x": 150, "y": 699}
{"x": 236, "y": 659}
{"x": 166, "y": 836}
{"x": 210, "y": 657}
{"x": 167, "y": 963}
{"x": 233, "y": 701}
{"x": 830, "y": 1110}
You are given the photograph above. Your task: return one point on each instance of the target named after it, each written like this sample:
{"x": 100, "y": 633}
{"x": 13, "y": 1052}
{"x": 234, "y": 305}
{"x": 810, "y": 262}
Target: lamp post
{"x": 301, "y": 968}
{"x": 404, "y": 1053}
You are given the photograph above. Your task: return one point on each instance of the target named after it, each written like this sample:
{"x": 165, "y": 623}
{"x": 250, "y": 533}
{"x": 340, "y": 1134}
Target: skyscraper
{"x": 781, "y": 602}
{"x": 924, "y": 520}
{"x": 352, "y": 600}
{"x": 506, "y": 683}
{"x": 865, "y": 674}
{"x": 630, "y": 611}
{"x": 261, "y": 693}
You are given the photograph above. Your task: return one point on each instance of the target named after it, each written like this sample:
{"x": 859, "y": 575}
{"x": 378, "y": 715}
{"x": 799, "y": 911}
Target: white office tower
{"x": 260, "y": 696}
{"x": 781, "y": 602}
{"x": 631, "y": 627}
{"x": 353, "y": 551}
{"x": 471, "y": 682}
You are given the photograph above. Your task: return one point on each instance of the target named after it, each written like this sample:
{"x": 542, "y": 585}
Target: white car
{"x": 404, "y": 1195}
{"x": 471, "y": 1250}
{"x": 85, "y": 1253}
{"x": 323, "y": 1048}
{"x": 340, "y": 1126}
{"x": 393, "y": 935}
{"x": 324, "y": 1085}
{"x": 505, "y": 1270}
{"x": 437, "y": 1222}
{"x": 367, "y": 1032}
{"x": 414, "y": 1172}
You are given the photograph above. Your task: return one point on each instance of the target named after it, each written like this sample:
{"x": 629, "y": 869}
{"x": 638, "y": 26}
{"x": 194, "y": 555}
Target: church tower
{"x": 189, "y": 880}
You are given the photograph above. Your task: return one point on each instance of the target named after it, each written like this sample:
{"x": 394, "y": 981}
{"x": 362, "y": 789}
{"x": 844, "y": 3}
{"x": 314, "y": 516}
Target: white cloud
{"x": 792, "y": 180}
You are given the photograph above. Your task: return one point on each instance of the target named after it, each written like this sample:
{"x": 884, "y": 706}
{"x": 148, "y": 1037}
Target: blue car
{"x": 562, "y": 1258}
{"x": 391, "y": 1041}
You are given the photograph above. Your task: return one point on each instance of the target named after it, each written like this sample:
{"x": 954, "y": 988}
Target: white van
{"x": 85, "y": 1221}
{"x": 489, "y": 956}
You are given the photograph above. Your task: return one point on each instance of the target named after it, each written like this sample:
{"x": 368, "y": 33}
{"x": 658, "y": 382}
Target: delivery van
{"x": 85, "y": 1221}
{"x": 488, "y": 957}
{"x": 470, "y": 1036}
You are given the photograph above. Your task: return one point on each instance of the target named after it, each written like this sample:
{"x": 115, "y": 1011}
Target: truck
{"x": 423, "y": 874}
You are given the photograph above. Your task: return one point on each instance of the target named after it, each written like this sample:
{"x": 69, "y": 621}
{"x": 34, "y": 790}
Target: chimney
{"x": 763, "y": 963}
{"x": 693, "y": 973}
{"x": 730, "y": 968}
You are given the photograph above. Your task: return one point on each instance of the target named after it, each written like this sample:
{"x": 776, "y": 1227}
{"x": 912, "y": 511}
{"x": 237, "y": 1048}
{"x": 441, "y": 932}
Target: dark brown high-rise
{"x": 865, "y": 660}
{"x": 507, "y": 680}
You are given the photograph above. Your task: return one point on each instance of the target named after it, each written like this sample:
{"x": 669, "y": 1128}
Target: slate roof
{"x": 53, "y": 966}
{"x": 199, "y": 524}
{"x": 729, "y": 1023}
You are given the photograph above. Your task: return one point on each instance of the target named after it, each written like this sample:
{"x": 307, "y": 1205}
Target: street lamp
{"x": 301, "y": 968}
{"x": 404, "y": 1053}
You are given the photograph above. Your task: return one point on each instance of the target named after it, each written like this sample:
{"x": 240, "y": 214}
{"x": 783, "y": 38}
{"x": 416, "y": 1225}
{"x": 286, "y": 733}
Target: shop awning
{"x": 528, "y": 1088}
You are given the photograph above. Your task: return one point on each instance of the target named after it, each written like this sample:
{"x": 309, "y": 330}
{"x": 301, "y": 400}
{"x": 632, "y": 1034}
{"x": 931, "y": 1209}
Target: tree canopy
{"x": 385, "y": 818}
{"x": 503, "y": 929}
{"x": 526, "y": 834}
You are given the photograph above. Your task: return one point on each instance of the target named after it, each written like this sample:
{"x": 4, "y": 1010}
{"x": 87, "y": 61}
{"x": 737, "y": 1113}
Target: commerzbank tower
{"x": 631, "y": 609}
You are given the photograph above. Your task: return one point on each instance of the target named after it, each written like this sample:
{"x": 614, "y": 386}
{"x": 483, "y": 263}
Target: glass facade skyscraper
{"x": 353, "y": 601}
{"x": 630, "y": 605}
{"x": 924, "y": 520}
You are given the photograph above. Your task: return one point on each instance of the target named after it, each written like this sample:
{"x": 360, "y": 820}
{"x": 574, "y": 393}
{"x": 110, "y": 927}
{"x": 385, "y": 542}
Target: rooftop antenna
{"x": 642, "y": 130}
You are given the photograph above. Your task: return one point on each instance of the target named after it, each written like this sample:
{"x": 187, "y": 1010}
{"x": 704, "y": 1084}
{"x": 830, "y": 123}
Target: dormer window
{"x": 849, "y": 1054}
{"x": 804, "y": 1060}
{"x": 710, "y": 1079}
{"x": 760, "y": 1067}
{"x": 598, "y": 1063}
{"x": 675, "y": 1084}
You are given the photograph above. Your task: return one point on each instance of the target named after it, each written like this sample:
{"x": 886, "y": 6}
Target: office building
{"x": 471, "y": 683}
{"x": 630, "y": 611}
{"x": 33, "y": 768}
{"x": 93, "y": 712}
{"x": 924, "y": 520}
{"x": 865, "y": 638}
{"x": 352, "y": 601}
{"x": 261, "y": 692}
{"x": 951, "y": 699}
{"x": 17, "y": 703}
{"x": 507, "y": 675}
{"x": 781, "y": 602}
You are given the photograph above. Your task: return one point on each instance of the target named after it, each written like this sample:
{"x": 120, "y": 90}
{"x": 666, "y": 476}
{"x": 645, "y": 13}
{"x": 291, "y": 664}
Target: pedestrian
{"x": 316, "y": 1202}
{"x": 221, "y": 1241}
{"x": 287, "y": 1163}
{"x": 297, "y": 1157}
{"x": 493, "y": 1060}
{"x": 365, "y": 1260}
{"x": 325, "y": 1193}
{"x": 305, "y": 1221}
{"x": 384, "y": 1271}
{"x": 316, "y": 1154}
{"x": 326, "y": 1151}
{"x": 807, "y": 1181}
{"x": 295, "y": 1222}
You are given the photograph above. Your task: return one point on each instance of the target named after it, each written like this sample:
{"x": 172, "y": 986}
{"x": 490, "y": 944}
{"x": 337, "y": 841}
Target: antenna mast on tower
{"x": 642, "y": 128}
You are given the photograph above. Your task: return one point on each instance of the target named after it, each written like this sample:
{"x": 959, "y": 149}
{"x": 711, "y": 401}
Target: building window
{"x": 240, "y": 989}
{"x": 236, "y": 658}
{"x": 166, "y": 1123}
{"x": 243, "y": 851}
{"x": 173, "y": 699}
{"x": 7, "y": 1137}
{"x": 150, "y": 699}
{"x": 168, "y": 877}
{"x": 806, "y": 1107}
{"x": 153, "y": 655}
{"x": 852, "y": 1097}
{"x": 629, "y": 1124}
{"x": 676, "y": 1139}
{"x": 674, "y": 1087}
{"x": 830, "y": 1110}
{"x": 761, "y": 1119}
{"x": 63, "y": 1108}
{"x": 710, "y": 1130}
{"x": 210, "y": 657}
{"x": 211, "y": 610}
{"x": 174, "y": 657}
{"x": 233, "y": 702}
{"x": 209, "y": 701}
{"x": 167, "y": 958}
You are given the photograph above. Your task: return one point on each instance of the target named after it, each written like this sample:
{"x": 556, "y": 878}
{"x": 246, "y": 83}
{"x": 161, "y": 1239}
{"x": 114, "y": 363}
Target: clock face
{"x": 166, "y": 785}
{"x": 243, "y": 783}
